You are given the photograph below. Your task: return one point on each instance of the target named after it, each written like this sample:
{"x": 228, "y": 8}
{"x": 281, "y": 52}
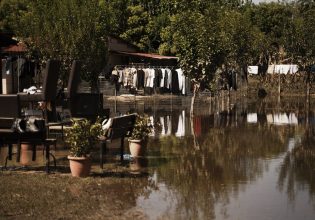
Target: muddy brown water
{"x": 254, "y": 160}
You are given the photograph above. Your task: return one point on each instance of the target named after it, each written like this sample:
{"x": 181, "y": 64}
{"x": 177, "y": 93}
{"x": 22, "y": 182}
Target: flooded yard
{"x": 254, "y": 160}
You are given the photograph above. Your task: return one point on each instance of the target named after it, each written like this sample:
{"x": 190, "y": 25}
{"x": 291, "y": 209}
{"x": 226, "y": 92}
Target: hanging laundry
{"x": 252, "y": 118}
{"x": 140, "y": 79}
{"x": 271, "y": 69}
{"x": 181, "y": 81}
{"x": 253, "y": 70}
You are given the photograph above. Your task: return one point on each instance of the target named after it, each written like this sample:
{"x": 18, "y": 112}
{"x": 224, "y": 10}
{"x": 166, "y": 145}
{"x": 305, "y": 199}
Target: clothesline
{"x": 141, "y": 65}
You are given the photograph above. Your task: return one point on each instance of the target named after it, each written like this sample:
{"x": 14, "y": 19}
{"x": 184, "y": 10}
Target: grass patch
{"x": 35, "y": 195}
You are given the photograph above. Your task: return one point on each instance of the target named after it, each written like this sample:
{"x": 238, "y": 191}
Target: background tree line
{"x": 206, "y": 35}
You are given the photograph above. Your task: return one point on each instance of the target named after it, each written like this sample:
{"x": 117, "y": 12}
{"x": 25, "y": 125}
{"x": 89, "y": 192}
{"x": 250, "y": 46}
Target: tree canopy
{"x": 205, "y": 35}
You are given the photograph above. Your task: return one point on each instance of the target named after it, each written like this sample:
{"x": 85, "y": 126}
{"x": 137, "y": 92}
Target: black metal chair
{"x": 10, "y": 136}
{"x": 120, "y": 128}
{"x": 49, "y": 88}
{"x": 7, "y": 117}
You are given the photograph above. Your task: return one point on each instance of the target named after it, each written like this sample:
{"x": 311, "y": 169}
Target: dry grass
{"x": 35, "y": 195}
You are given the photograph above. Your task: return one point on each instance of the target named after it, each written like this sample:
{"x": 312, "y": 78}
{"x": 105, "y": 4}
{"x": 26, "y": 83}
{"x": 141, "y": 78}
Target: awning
{"x": 147, "y": 55}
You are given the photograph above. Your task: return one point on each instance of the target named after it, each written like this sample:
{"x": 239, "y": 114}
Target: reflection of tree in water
{"x": 297, "y": 169}
{"x": 227, "y": 157}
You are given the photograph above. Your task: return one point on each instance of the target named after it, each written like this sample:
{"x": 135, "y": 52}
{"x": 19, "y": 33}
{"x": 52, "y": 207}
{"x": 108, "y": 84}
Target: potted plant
{"x": 81, "y": 137}
{"x": 139, "y": 136}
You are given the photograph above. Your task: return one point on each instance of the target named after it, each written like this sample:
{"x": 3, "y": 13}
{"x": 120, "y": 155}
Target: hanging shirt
{"x": 152, "y": 77}
{"x": 271, "y": 69}
{"x": 181, "y": 81}
{"x": 162, "y": 78}
{"x": 252, "y": 118}
{"x": 134, "y": 77}
{"x": 169, "y": 79}
{"x": 252, "y": 70}
{"x": 146, "y": 77}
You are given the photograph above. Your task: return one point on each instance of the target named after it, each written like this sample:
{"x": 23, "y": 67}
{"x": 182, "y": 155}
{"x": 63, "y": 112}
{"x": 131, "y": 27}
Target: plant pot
{"x": 80, "y": 166}
{"x": 137, "y": 148}
{"x": 26, "y": 147}
{"x": 26, "y": 155}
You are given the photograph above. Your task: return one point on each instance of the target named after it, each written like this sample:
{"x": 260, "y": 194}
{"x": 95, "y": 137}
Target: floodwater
{"x": 251, "y": 161}
{"x": 245, "y": 161}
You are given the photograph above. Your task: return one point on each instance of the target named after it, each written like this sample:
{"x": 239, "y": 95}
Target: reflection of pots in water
{"x": 138, "y": 163}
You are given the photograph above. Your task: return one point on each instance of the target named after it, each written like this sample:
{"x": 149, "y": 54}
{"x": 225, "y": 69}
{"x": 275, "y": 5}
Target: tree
{"x": 67, "y": 30}
{"x": 136, "y": 32}
{"x": 10, "y": 12}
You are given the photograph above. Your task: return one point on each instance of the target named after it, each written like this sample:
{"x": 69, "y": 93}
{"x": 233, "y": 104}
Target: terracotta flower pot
{"x": 137, "y": 148}
{"x": 80, "y": 166}
{"x": 26, "y": 155}
{"x": 26, "y": 147}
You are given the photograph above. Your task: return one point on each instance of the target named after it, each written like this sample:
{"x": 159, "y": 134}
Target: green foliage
{"x": 205, "y": 35}
{"x": 136, "y": 26}
{"x": 143, "y": 127}
{"x": 82, "y": 136}
{"x": 10, "y": 13}
{"x": 67, "y": 30}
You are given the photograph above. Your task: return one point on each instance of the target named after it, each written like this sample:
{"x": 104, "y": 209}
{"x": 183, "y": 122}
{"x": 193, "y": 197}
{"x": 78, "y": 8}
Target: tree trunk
{"x": 193, "y": 99}
{"x": 196, "y": 90}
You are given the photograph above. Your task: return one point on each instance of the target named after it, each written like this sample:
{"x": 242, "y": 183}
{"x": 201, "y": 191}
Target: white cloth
{"x": 163, "y": 78}
{"x": 293, "y": 69}
{"x": 181, "y": 81}
{"x": 31, "y": 90}
{"x": 252, "y": 118}
{"x": 106, "y": 124}
{"x": 271, "y": 69}
{"x": 283, "y": 69}
{"x": 169, "y": 79}
{"x": 134, "y": 77}
{"x": 152, "y": 77}
{"x": 162, "y": 126}
{"x": 270, "y": 118}
{"x": 280, "y": 119}
{"x": 293, "y": 119}
{"x": 252, "y": 70}
{"x": 181, "y": 125}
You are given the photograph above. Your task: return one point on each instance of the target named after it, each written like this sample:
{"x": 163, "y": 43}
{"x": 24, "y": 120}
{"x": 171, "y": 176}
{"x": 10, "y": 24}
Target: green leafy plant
{"x": 143, "y": 127}
{"x": 82, "y": 136}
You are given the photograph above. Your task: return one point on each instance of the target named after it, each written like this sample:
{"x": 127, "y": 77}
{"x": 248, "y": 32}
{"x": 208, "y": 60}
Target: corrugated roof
{"x": 147, "y": 55}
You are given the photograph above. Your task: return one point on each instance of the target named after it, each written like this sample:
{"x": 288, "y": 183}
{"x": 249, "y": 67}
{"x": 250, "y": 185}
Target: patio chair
{"x": 49, "y": 87}
{"x": 7, "y": 117}
{"x": 9, "y": 136}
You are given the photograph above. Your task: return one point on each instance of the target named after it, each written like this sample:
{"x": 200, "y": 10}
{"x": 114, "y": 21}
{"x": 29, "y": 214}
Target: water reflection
{"x": 237, "y": 153}
{"x": 251, "y": 161}
{"x": 297, "y": 169}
